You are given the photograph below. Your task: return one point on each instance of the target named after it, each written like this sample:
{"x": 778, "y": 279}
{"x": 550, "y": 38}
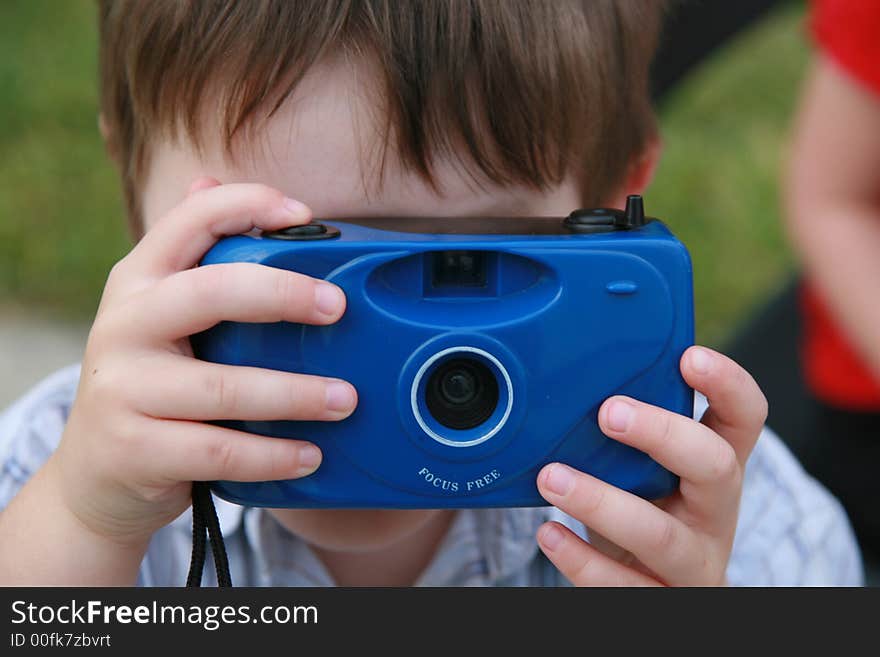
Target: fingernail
{"x": 309, "y": 459}
{"x": 339, "y": 396}
{"x": 551, "y": 537}
{"x": 328, "y": 298}
{"x": 701, "y": 361}
{"x": 560, "y": 479}
{"x": 295, "y": 208}
{"x": 620, "y": 415}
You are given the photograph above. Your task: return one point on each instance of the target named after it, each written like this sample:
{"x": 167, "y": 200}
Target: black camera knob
{"x": 311, "y": 231}
{"x": 634, "y": 212}
{"x": 595, "y": 220}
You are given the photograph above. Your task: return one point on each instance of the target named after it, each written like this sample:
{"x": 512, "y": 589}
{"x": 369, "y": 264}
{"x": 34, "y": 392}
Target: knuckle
{"x": 288, "y": 289}
{"x": 127, "y": 444}
{"x": 281, "y": 459}
{"x": 206, "y": 282}
{"x": 762, "y": 408}
{"x": 740, "y": 381}
{"x": 222, "y": 389}
{"x": 102, "y": 330}
{"x": 705, "y": 567}
{"x": 266, "y": 197}
{"x": 112, "y": 324}
{"x": 221, "y": 454}
{"x": 725, "y": 465}
{"x": 736, "y": 480}
{"x": 665, "y": 536}
{"x": 743, "y": 387}
{"x": 293, "y": 395}
{"x": 583, "y": 569}
{"x": 117, "y": 271}
{"x": 591, "y": 500}
{"x": 660, "y": 427}
{"x": 107, "y": 383}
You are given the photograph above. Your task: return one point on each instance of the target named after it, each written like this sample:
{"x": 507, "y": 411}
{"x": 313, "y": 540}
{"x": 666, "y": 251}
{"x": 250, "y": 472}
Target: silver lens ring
{"x": 414, "y": 402}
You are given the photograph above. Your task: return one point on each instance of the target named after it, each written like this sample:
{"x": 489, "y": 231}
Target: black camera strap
{"x": 206, "y": 526}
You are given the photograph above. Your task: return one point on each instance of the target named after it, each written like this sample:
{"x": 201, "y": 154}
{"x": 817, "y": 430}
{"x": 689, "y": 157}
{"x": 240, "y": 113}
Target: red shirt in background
{"x": 847, "y": 31}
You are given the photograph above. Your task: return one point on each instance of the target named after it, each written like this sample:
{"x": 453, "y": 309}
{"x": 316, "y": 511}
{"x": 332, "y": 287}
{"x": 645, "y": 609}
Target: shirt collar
{"x": 481, "y": 548}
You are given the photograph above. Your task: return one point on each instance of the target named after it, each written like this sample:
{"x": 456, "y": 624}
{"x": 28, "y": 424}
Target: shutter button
{"x": 309, "y": 231}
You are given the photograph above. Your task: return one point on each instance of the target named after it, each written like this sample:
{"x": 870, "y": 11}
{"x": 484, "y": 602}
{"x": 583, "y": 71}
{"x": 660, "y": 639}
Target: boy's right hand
{"x": 136, "y": 436}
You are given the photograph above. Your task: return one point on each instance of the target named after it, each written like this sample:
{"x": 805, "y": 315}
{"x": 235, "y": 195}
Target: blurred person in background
{"x": 832, "y": 211}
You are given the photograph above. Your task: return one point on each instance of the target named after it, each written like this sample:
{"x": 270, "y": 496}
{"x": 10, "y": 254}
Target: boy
{"x": 219, "y": 115}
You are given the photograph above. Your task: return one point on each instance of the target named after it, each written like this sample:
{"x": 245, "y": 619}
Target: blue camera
{"x": 481, "y": 349}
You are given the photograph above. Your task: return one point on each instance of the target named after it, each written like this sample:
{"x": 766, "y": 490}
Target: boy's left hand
{"x": 684, "y": 539}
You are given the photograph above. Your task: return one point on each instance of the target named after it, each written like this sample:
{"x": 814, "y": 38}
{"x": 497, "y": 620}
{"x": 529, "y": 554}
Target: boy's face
{"x": 316, "y": 149}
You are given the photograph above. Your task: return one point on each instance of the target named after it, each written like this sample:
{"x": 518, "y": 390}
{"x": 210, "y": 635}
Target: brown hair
{"x": 524, "y": 91}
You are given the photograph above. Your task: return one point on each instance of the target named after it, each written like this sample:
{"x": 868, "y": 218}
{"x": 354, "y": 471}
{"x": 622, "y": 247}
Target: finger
{"x": 204, "y": 182}
{"x": 680, "y": 444}
{"x": 737, "y": 407}
{"x": 663, "y": 543}
{"x": 183, "y": 235}
{"x": 584, "y": 565}
{"x": 193, "y": 451}
{"x": 707, "y": 464}
{"x": 196, "y": 390}
{"x": 197, "y": 299}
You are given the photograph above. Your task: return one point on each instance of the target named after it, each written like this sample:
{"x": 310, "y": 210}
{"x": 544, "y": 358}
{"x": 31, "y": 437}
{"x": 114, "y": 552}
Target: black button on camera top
{"x": 593, "y": 220}
{"x": 307, "y": 229}
{"x": 310, "y": 231}
{"x": 597, "y": 220}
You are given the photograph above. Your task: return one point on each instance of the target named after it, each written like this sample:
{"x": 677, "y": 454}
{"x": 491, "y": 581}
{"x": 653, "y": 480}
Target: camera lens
{"x": 462, "y": 393}
{"x": 458, "y": 387}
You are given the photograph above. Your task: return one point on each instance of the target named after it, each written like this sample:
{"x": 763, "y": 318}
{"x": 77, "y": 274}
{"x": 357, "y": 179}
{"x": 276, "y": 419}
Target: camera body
{"x": 481, "y": 349}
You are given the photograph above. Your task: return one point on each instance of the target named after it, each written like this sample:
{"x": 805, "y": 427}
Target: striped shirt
{"x": 791, "y": 531}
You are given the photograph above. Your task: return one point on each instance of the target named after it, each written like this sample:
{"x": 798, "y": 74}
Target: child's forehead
{"x": 324, "y": 146}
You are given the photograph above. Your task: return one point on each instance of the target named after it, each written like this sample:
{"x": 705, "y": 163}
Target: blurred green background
{"x": 62, "y": 224}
